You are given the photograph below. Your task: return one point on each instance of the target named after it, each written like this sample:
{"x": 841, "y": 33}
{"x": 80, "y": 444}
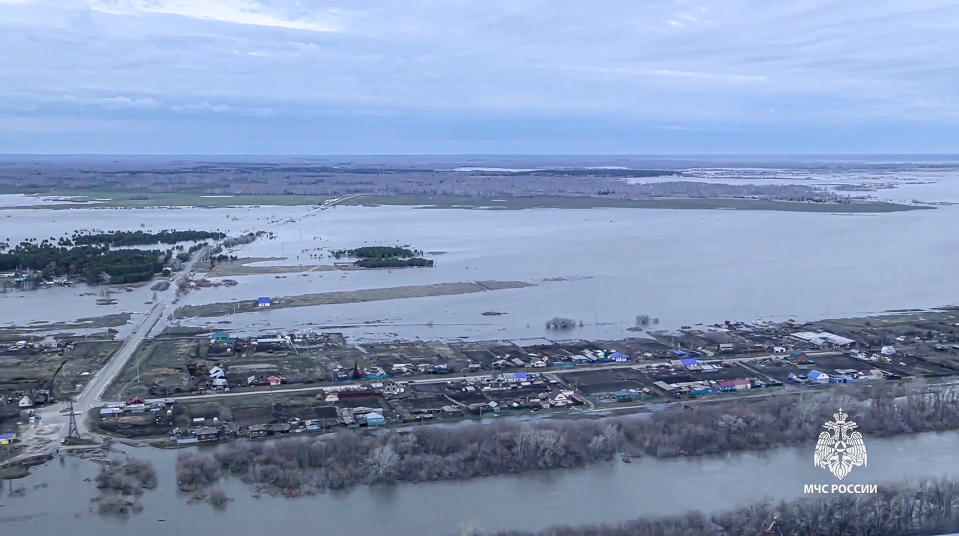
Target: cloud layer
{"x": 512, "y": 76}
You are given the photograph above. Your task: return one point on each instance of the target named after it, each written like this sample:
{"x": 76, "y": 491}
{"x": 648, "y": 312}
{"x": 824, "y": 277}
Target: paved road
{"x": 92, "y": 394}
{"x": 53, "y": 423}
{"x": 331, "y": 203}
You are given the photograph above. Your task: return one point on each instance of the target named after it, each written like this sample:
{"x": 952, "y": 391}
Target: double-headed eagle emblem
{"x": 841, "y": 448}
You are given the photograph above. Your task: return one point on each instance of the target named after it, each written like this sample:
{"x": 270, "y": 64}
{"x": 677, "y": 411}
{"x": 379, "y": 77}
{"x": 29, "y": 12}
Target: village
{"x": 187, "y": 389}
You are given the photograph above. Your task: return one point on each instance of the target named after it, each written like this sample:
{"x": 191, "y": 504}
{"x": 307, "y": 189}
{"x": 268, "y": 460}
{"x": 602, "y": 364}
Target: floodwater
{"x": 599, "y": 266}
{"x": 56, "y": 498}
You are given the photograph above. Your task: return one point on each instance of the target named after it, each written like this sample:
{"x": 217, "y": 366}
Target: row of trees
{"x": 93, "y": 263}
{"x": 930, "y": 507}
{"x": 349, "y": 458}
{"x": 136, "y": 238}
{"x": 394, "y": 263}
{"x": 378, "y": 252}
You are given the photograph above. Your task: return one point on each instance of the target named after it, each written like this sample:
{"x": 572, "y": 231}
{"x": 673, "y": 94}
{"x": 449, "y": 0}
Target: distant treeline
{"x": 245, "y": 178}
{"x": 94, "y": 263}
{"x": 424, "y": 453}
{"x": 930, "y": 507}
{"x": 136, "y": 238}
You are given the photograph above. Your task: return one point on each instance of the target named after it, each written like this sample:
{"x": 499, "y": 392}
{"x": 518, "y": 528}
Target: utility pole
{"x": 73, "y": 433}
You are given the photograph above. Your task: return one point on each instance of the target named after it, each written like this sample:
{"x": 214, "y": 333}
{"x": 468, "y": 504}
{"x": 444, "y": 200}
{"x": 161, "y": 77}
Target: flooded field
{"x": 599, "y": 266}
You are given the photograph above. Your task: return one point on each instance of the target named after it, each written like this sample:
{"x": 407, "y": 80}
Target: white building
{"x": 823, "y": 338}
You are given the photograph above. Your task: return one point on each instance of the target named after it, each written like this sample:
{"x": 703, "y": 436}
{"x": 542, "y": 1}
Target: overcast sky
{"x": 483, "y": 76}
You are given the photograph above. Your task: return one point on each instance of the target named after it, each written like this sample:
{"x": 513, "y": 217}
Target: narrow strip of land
{"x": 571, "y": 202}
{"x": 347, "y": 296}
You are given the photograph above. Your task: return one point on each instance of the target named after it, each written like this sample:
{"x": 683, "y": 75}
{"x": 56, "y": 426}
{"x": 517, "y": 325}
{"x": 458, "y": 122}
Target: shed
{"x": 375, "y": 419}
{"x": 688, "y": 362}
{"x": 816, "y": 376}
{"x": 264, "y": 301}
{"x": 222, "y": 336}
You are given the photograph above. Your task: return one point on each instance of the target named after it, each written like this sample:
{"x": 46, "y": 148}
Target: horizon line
{"x": 645, "y": 155}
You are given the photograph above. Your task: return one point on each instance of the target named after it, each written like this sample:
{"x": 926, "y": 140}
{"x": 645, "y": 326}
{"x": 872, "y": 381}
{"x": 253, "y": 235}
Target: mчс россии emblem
{"x": 841, "y": 448}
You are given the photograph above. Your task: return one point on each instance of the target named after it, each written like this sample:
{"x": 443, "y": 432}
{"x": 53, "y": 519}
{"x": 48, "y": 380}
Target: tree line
{"x": 94, "y": 263}
{"x": 930, "y": 507}
{"x": 137, "y": 238}
{"x": 377, "y": 252}
{"x": 385, "y": 257}
{"x": 394, "y": 263}
{"x": 425, "y": 453}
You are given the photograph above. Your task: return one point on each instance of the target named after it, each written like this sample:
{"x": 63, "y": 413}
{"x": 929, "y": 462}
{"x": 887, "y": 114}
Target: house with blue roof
{"x": 817, "y": 377}
{"x": 264, "y": 301}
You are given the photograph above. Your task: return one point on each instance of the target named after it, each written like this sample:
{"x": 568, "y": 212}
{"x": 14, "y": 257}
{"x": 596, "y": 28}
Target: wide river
{"x": 56, "y": 496}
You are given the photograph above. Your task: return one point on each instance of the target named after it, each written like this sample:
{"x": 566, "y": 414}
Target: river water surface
{"x": 56, "y": 498}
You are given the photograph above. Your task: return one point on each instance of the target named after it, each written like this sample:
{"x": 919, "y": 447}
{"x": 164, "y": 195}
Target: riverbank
{"x": 428, "y": 453}
{"x": 608, "y": 492}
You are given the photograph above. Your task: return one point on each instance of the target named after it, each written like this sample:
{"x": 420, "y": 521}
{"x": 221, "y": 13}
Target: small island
{"x": 385, "y": 257}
